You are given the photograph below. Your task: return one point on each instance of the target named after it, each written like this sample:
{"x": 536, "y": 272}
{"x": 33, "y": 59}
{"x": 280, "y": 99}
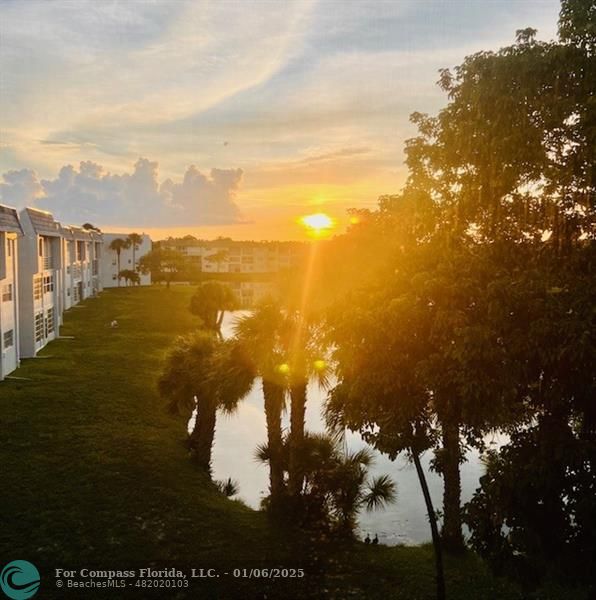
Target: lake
{"x": 404, "y": 522}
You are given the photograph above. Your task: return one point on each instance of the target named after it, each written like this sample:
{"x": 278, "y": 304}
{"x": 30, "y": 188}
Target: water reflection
{"x": 403, "y": 522}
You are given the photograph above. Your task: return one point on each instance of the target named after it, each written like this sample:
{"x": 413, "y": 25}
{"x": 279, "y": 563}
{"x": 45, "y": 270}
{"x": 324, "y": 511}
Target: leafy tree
{"x": 512, "y": 154}
{"x": 544, "y": 524}
{"x": 131, "y": 277}
{"x": 210, "y": 302}
{"x": 163, "y": 264}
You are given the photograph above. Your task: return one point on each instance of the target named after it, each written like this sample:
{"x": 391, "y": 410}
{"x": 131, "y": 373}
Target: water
{"x": 404, "y": 522}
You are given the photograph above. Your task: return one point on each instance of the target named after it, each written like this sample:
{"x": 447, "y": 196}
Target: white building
{"x": 10, "y": 229}
{"x": 111, "y": 264}
{"x": 228, "y": 256}
{"x": 40, "y": 280}
{"x": 81, "y": 252}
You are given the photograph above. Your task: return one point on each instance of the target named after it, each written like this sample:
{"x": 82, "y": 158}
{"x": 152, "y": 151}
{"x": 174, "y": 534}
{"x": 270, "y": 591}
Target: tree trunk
{"x": 273, "y": 395}
{"x": 433, "y": 526}
{"x": 118, "y": 275}
{"x": 298, "y": 411}
{"x": 451, "y": 533}
{"x": 203, "y": 435}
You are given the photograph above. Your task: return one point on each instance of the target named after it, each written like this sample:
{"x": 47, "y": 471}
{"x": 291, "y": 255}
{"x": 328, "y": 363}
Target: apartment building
{"x": 81, "y": 252}
{"x": 228, "y": 256}
{"x": 10, "y": 230}
{"x": 40, "y": 251}
{"x": 111, "y": 264}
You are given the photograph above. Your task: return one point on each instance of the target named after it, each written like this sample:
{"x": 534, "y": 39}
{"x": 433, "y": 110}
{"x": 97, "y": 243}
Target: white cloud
{"x": 90, "y": 193}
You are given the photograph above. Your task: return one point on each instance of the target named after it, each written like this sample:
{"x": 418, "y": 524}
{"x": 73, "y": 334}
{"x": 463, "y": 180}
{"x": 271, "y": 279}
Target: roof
{"x": 43, "y": 222}
{"x": 9, "y": 220}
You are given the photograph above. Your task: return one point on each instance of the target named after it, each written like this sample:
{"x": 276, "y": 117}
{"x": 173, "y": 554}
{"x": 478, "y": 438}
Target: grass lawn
{"x": 95, "y": 474}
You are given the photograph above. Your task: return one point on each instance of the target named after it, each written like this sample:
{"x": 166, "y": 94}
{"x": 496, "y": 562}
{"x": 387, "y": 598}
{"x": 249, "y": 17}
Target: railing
{"x": 47, "y": 263}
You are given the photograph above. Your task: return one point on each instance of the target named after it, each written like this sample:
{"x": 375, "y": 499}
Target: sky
{"x": 226, "y": 118}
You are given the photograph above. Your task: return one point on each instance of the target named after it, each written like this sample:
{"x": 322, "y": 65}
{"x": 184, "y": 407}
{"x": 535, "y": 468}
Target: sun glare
{"x": 318, "y": 224}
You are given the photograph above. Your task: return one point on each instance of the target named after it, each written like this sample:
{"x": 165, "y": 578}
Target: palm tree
{"x": 204, "y": 373}
{"x": 134, "y": 240}
{"x": 117, "y": 245}
{"x": 259, "y": 335}
{"x": 210, "y": 302}
{"x": 335, "y": 483}
{"x": 287, "y": 353}
{"x": 305, "y": 351}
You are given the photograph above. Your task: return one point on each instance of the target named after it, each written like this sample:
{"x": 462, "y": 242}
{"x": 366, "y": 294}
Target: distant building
{"x": 228, "y": 256}
{"x": 109, "y": 259}
{"x": 10, "y": 230}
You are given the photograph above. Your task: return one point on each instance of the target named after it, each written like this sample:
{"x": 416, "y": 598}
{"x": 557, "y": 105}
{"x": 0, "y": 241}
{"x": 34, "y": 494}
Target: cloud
{"x": 20, "y": 187}
{"x": 90, "y": 193}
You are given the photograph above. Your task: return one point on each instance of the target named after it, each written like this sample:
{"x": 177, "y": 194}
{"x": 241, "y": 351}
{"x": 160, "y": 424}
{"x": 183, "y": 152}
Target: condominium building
{"x": 10, "y": 230}
{"x": 228, "y": 256}
{"x": 81, "y": 253}
{"x": 40, "y": 280}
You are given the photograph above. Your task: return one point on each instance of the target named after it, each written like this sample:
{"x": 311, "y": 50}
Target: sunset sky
{"x": 225, "y": 118}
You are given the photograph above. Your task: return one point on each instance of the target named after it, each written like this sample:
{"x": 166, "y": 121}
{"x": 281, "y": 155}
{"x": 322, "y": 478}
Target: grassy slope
{"x": 95, "y": 473}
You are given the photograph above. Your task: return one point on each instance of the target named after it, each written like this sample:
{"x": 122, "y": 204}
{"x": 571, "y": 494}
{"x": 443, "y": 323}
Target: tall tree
{"x": 205, "y": 373}
{"x": 134, "y": 240}
{"x": 117, "y": 245}
{"x": 260, "y": 336}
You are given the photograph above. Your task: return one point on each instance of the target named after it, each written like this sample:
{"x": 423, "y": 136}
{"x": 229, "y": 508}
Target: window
{"x": 40, "y": 247}
{"x": 76, "y": 294}
{"x": 9, "y": 246}
{"x": 68, "y": 292}
{"x": 8, "y": 338}
{"x": 48, "y": 284}
{"x": 37, "y": 288}
{"x": 7, "y": 293}
{"x": 49, "y": 321}
{"x": 39, "y": 327}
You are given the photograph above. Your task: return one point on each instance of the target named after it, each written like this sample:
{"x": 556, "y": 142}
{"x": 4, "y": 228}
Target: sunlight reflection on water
{"x": 403, "y": 522}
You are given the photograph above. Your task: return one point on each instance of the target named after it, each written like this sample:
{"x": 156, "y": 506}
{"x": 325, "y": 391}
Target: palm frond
{"x": 381, "y": 491}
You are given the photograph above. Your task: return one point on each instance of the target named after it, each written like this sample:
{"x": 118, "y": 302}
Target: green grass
{"x": 95, "y": 474}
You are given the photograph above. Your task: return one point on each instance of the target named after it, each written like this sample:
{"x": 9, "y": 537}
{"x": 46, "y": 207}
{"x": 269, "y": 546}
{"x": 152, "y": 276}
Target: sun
{"x": 318, "y": 224}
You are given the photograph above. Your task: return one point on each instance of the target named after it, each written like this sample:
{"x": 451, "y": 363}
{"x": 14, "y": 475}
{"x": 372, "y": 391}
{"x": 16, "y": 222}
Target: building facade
{"x": 40, "y": 280}
{"x": 10, "y": 231}
{"x": 228, "y": 256}
{"x": 81, "y": 255}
